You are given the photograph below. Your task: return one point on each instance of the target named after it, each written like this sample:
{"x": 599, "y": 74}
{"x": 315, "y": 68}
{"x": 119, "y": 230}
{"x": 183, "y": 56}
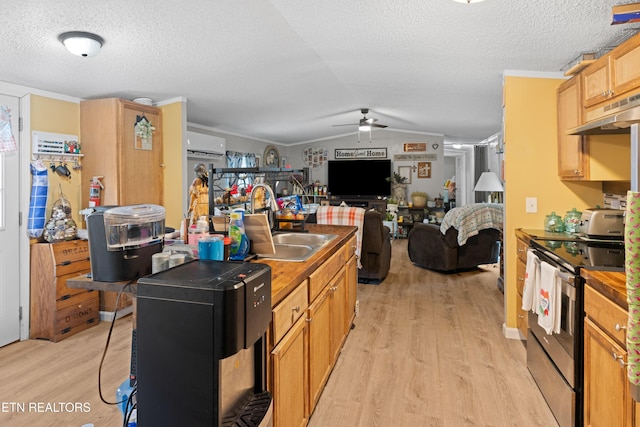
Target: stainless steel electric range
{"x": 556, "y": 360}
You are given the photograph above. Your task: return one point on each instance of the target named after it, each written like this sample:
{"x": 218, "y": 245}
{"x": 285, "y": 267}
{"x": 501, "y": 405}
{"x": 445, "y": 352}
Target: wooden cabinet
{"x": 290, "y": 386}
{"x": 572, "y": 149}
{"x": 607, "y": 400}
{"x": 613, "y": 75}
{"x": 57, "y": 311}
{"x": 308, "y": 330}
{"x": 522, "y": 244}
{"x": 131, "y": 166}
{"x": 596, "y": 82}
{"x": 319, "y": 318}
{"x": 606, "y": 391}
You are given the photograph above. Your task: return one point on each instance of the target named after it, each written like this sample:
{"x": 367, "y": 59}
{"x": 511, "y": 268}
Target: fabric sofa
{"x": 469, "y": 236}
{"x": 375, "y": 256}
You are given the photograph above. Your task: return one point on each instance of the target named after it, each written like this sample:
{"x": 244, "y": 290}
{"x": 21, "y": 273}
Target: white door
{"x": 9, "y": 230}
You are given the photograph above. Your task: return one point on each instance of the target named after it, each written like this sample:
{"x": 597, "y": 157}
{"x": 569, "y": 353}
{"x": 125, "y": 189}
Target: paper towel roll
{"x": 632, "y": 270}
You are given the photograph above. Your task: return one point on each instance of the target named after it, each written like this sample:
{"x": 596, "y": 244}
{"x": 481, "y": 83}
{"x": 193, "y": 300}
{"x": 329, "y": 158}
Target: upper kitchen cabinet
{"x": 122, "y": 141}
{"x": 587, "y": 158}
{"x": 572, "y": 149}
{"x": 610, "y": 77}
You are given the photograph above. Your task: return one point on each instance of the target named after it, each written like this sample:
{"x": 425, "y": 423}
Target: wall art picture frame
{"x": 424, "y": 169}
{"x": 271, "y": 157}
{"x": 405, "y": 172}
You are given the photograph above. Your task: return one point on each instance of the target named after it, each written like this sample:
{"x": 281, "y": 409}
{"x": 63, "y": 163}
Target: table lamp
{"x": 490, "y": 183}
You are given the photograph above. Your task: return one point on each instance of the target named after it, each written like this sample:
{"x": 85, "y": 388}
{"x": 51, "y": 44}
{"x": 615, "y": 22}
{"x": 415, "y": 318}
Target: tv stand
{"x": 372, "y": 203}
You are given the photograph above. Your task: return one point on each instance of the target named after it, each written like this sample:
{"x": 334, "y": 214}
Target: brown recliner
{"x": 375, "y": 255}
{"x": 431, "y": 249}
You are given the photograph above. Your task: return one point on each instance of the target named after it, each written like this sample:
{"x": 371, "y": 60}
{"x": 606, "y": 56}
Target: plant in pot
{"x": 419, "y": 199}
{"x": 398, "y": 186}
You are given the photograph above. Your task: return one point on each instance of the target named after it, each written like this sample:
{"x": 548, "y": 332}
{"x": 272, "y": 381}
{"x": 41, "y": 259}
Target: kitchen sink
{"x": 297, "y": 246}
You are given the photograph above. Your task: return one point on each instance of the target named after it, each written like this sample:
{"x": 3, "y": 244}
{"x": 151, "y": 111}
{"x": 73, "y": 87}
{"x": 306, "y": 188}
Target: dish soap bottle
{"x": 239, "y": 242}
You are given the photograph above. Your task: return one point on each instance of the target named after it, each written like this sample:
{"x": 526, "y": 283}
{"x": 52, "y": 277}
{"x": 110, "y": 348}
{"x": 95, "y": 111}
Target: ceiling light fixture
{"x": 81, "y": 43}
{"x": 364, "y": 128}
{"x": 468, "y": 1}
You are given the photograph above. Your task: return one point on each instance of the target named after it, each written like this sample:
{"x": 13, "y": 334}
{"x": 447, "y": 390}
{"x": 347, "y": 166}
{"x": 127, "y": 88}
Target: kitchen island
{"x": 313, "y": 307}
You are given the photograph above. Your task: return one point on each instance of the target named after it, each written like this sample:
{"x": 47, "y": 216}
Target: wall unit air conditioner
{"x": 202, "y": 145}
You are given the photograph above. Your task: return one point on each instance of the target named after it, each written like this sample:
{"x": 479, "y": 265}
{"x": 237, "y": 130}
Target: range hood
{"x": 615, "y": 118}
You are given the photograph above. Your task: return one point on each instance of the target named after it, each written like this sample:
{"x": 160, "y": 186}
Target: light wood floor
{"x": 427, "y": 350}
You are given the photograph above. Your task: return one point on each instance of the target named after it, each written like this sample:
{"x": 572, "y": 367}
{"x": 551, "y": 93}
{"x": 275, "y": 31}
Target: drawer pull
{"x": 520, "y": 250}
{"x": 309, "y": 320}
{"x": 65, "y": 331}
{"x": 521, "y": 279}
{"x": 619, "y": 327}
{"x": 65, "y": 263}
{"x": 619, "y": 359}
{"x": 520, "y": 316}
{"x": 64, "y": 297}
{"x": 296, "y": 309}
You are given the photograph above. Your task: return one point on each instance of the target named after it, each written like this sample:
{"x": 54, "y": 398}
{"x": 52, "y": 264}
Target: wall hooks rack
{"x": 56, "y": 157}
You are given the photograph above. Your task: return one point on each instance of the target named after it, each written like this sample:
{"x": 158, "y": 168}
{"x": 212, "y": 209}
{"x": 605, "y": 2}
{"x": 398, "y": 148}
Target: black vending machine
{"x": 201, "y": 345}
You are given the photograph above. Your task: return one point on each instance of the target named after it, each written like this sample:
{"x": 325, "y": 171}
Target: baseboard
{"x": 107, "y": 316}
{"x": 512, "y": 333}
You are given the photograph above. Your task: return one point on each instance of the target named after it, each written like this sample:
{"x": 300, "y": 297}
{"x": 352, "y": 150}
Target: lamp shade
{"x": 490, "y": 182}
{"x": 81, "y": 43}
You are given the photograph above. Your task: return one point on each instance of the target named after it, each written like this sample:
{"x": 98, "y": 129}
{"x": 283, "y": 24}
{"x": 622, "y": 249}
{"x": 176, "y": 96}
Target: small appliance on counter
{"x": 201, "y": 345}
{"x": 599, "y": 223}
{"x": 122, "y": 240}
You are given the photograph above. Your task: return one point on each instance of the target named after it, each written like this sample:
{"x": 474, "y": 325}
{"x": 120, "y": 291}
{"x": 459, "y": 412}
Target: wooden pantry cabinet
{"x": 58, "y": 312}
{"x": 308, "y": 331}
{"x": 131, "y": 166}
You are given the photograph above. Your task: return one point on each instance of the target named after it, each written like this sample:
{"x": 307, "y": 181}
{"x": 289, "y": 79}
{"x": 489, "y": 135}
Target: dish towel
{"x": 632, "y": 270}
{"x": 341, "y": 215}
{"x": 531, "y": 281}
{"x": 549, "y": 299}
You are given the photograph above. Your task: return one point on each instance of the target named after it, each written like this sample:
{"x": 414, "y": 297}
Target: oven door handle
{"x": 566, "y": 277}
{"x": 569, "y": 289}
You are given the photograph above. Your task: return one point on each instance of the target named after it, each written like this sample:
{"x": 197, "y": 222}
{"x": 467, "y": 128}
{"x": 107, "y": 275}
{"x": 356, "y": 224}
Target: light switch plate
{"x": 531, "y": 204}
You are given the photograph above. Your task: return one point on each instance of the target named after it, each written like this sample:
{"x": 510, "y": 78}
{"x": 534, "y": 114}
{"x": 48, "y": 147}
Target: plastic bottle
{"x": 123, "y": 392}
{"x": 239, "y": 241}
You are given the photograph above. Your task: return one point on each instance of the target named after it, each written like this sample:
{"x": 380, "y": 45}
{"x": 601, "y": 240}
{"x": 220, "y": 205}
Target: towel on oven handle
{"x": 549, "y": 301}
{"x": 531, "y": 281}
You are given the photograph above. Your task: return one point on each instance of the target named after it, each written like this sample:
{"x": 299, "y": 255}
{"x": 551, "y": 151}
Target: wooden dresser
{"x": 57, "y": 311}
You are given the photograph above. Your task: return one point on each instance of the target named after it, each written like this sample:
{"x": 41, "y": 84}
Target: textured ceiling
{"x": 287, "y": 70}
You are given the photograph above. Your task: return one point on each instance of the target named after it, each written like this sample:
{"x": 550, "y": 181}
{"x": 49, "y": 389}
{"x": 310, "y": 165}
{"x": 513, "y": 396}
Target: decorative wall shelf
{"x": 55, "y": 157}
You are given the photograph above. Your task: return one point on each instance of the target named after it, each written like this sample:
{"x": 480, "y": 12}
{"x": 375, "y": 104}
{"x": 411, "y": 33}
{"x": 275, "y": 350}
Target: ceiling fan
{"x": 365, "y": 124}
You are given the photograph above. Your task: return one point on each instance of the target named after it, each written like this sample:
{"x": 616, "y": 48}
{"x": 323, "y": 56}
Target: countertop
{"x": 285, "y": 275}
{"x": 544, "y": 235}
{"x": 611, "y": 284}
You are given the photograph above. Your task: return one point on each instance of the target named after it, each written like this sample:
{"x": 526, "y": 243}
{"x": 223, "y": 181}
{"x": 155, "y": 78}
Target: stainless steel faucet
{"x": 272, "y": 206}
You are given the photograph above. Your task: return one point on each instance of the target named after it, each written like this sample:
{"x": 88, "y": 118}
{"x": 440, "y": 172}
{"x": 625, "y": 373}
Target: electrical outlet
{"x": 531, "y": 204}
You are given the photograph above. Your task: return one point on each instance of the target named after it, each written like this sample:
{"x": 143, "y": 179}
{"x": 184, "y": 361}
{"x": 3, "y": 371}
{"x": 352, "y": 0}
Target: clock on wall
{"x": 271, "y": 157}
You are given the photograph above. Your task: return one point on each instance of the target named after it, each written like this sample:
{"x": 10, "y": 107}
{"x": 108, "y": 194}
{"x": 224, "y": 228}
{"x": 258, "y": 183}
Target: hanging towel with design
{"x": 7, "y": 141}
{"x": 531, "y": 287}
{"x": 38, "y": 201}
{"x": 549, "y": 299}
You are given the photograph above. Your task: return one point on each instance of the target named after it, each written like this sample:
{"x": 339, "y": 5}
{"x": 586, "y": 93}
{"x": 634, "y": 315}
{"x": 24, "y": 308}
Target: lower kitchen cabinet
{"x": 522, "y": 244}
{"x": 308, "y": 331}
{"x": 320, "y": 349}
{"x": 606, "y": 398}
{"x": 289, "y": 362}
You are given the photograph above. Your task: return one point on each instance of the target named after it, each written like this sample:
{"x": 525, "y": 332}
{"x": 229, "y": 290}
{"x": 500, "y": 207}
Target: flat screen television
{"x": 359, "y": 178}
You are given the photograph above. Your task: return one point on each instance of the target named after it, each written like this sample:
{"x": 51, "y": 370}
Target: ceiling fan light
{"x": 364, "y": 128}
{"x": 81, "y": 43}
